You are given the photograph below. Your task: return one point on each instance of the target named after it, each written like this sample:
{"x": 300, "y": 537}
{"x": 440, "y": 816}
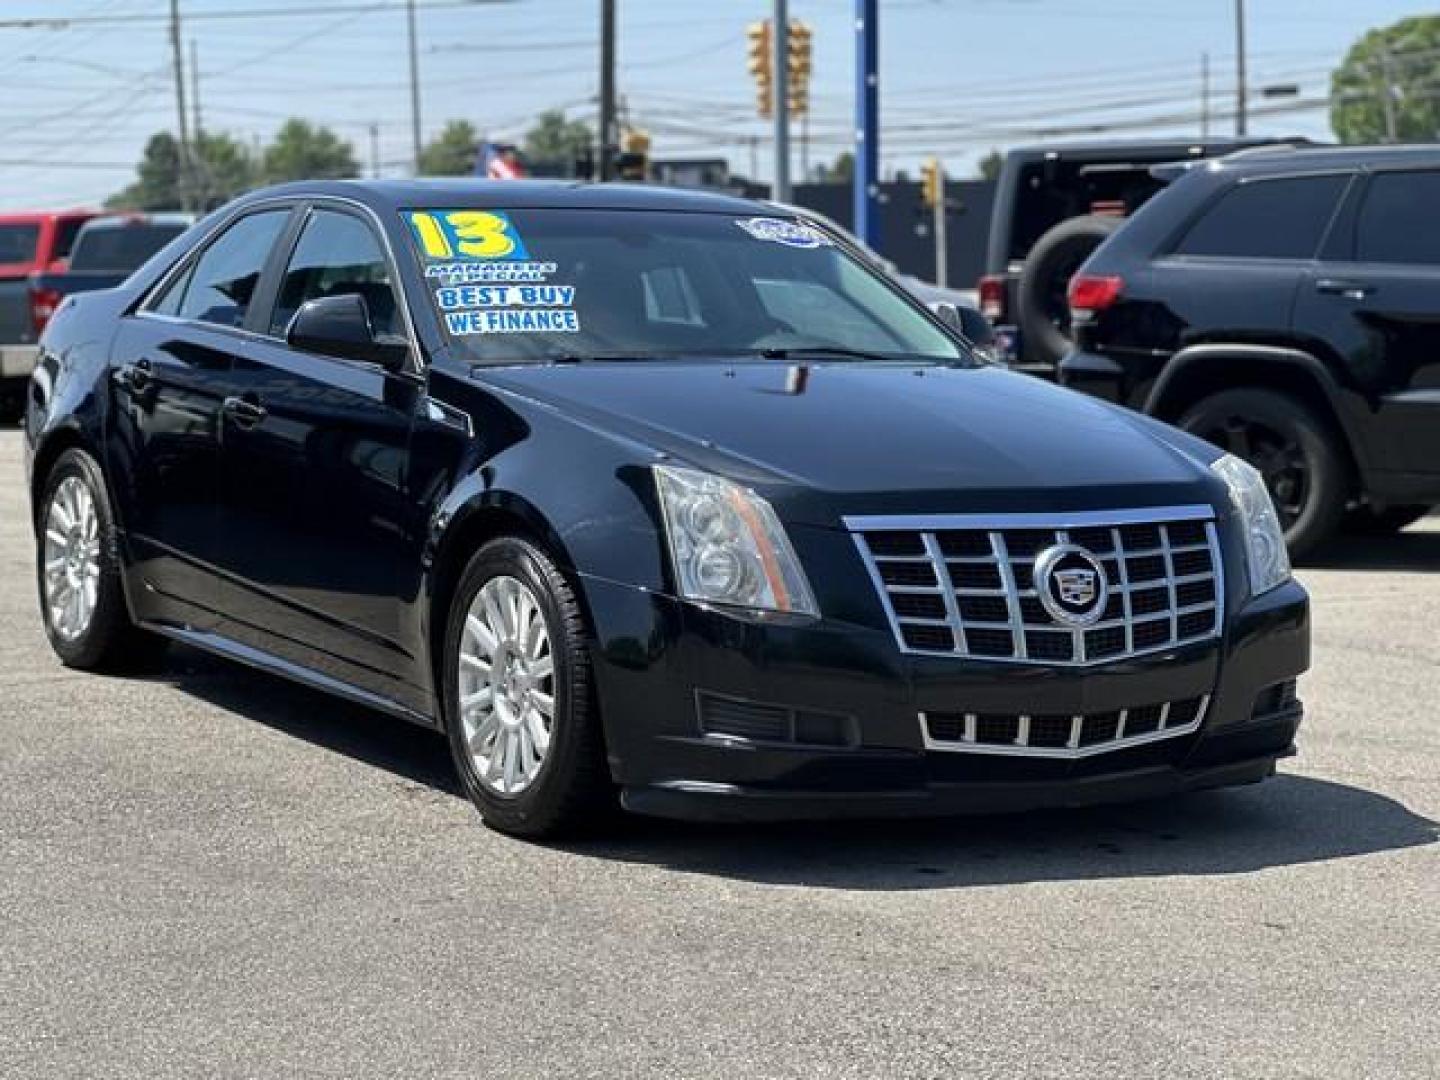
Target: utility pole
{"x": 780, "y": 73}
{"x": 1240, "y": 92}
{"x": 183, "y": 176}
{"x": 1204, "y": 95}
{"x": 195, "y": 125}
{"x": 1387, "y": 95}
{"x": 414, "y": 86}
{"x": 867, "y": 122}
{"x": 374, "y": 150}
{"x": 608, "y": 139}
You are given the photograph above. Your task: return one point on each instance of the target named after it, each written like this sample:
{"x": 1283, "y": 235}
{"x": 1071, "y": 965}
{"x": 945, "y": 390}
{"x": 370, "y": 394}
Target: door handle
{"x": 1350, "y": 290}
{"x": 245, "y": 411}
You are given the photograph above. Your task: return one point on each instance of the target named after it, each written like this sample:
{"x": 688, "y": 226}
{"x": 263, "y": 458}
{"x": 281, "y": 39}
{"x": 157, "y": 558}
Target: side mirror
{"x": 340, "y": 326}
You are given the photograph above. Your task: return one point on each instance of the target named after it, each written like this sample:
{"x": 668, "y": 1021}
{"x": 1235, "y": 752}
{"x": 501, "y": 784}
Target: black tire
{"x": 1366, "y": 521}
{"x": 1044, "y": 314}
{"x": 110, "y": 641}
{"x": 572, "y": 790}
{"x": 1301, "y": 456}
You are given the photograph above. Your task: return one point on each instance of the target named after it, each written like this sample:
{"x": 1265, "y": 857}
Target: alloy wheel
{"x": 72, "y": 558}
{"x": 507, "y": 686}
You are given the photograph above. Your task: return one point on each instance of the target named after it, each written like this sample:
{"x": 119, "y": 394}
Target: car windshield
{"x": 575, "y": 285}
{"x": 17, "y": 243}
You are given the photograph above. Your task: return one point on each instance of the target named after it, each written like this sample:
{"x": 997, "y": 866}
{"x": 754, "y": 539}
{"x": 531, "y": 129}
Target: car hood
{"x": 826, "y": 440}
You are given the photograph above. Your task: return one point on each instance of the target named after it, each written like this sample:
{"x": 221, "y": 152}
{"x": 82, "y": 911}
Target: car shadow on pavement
{"x": 1286, "y": 821}
{"x": 1416, "y": 550}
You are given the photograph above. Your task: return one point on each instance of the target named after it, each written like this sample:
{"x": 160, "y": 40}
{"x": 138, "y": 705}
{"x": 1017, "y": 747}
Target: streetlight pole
{"x": 608, "y": 139}
{"x": 1240, "y": 118}
{"x": 867, "y": 122}
{"x": 414, "y": 85}
{"x": 780, "y": 75}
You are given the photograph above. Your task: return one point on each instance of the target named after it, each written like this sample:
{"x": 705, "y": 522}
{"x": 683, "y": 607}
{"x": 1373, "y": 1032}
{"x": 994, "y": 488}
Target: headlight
{"x": 728, "y": 546}
{"x": 1264, "y": 539}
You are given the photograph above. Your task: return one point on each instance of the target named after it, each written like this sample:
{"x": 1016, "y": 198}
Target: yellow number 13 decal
{"x": 477, "y": 234}
{"x": 482, "y": 235}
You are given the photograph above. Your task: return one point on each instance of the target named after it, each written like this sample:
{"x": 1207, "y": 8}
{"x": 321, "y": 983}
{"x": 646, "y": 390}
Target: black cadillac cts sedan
{"x": 652, "y": 491}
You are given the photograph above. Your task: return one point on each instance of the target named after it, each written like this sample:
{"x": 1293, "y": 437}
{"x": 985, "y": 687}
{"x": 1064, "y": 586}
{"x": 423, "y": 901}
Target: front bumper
{"x": 654, "y": 653}
{"x": 17, "y": 361}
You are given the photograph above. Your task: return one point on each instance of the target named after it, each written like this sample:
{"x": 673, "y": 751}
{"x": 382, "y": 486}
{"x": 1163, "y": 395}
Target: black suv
{"x": 1054, "y": 205}
{"x": 1284, "y": 304}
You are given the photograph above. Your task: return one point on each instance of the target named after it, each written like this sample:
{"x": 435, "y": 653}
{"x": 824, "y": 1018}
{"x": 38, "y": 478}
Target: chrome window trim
{"x": 1073, "y": 750}
{"x": 994, "y": 525}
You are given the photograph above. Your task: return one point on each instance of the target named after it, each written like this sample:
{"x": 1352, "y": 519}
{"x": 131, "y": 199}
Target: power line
{"x": 50, "y": 22}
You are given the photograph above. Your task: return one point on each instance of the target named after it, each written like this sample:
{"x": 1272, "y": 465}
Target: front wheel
{"x": 1304, "y": 469}
{"x": 518, "y": 706}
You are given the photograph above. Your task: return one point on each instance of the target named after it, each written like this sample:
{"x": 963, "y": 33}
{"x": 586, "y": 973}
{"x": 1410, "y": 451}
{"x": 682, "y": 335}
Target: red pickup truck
{"x": 30, "y": 243}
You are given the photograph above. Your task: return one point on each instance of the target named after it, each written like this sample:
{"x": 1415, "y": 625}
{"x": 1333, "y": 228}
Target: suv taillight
{"x": 43, "y": 303}
{"x": 992, "y": 298}
{"x": 1091, "y": 292}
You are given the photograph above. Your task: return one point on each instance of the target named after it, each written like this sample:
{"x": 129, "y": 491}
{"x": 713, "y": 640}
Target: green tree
{"x": 1401, "y": 60}
{"x": 989, "y": 165}
{"x": 305, "y": 151}
{"x": 452, "y": 152}
{"x": 223, "y": 168}
{"x": 554, "y": 138}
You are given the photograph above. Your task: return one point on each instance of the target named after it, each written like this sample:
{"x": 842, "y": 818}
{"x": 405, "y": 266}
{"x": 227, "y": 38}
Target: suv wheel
{"x": 1293, "y": 449}
{"x": 518, "y": 710}
{"x": 1042, "y": 297}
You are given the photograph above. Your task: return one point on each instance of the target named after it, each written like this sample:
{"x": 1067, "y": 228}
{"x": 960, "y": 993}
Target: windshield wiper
{"x": 807, "y": 352}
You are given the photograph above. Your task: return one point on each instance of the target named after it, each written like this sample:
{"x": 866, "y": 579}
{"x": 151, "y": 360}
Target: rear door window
{"x": 220, "y": 285}
{"x": 1396, "y": 220}
{"x": 1266, "y": 219}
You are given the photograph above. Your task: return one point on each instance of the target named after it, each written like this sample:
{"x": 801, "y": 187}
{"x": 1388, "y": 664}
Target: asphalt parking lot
{"x": 208, "y": 872}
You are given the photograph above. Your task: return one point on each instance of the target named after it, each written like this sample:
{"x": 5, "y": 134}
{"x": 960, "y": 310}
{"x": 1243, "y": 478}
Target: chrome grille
{"x": 1059, "y": 735}
{"x": 962, "y": 585}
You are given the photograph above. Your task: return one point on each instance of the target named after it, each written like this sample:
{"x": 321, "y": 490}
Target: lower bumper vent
{"x": 1057, "y": 735}
{"x": 754, "y": 721}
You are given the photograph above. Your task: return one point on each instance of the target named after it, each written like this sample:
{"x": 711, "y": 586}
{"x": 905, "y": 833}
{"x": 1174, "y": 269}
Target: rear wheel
{"x": 77, "y": 554}
{"x": 1295, "y": 451}
{"x": 519, "y": 710}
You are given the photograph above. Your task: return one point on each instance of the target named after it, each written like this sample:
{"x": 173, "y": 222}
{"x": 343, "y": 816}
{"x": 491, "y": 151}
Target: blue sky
{"x": 958, "y": 76}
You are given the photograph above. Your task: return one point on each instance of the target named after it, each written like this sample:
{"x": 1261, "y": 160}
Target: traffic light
{"x": 932, "y": 183}
{"x": 759, "y": 52}
{"x": 798, "y": 42}
{"x": 633, "y": 162}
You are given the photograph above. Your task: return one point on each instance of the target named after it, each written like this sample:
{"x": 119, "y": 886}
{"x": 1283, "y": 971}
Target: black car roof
{"x": 514, "y": 195}
{"x": 1281, "y": 159}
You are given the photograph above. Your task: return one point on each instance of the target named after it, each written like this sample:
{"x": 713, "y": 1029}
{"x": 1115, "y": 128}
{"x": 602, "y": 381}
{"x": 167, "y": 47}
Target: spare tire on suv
{"x": 1044, "y": 311}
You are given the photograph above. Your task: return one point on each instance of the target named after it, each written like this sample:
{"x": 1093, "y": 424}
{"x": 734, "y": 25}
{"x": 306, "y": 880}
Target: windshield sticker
{"x": 455, "y": 298}
{"x": 459, "y": 273}
{"x": 468, "y": 235}
{"x": 793, "y": 234}
{"x": 513, "y": 321}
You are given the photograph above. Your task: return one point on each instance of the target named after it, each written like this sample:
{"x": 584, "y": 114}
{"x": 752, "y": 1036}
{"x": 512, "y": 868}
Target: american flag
{"x": 499, "y": 161}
